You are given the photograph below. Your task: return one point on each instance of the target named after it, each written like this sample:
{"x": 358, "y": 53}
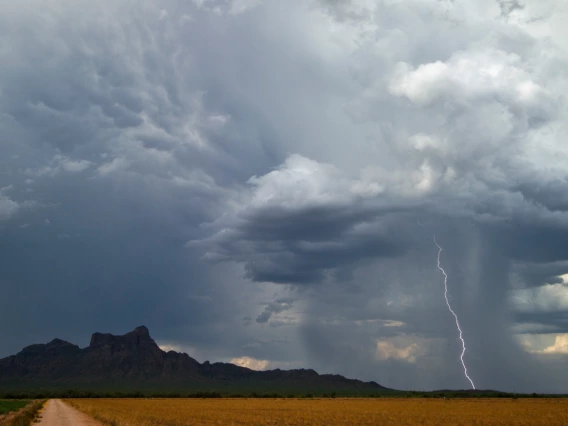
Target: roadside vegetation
{"x": 9, "y": 405}
{"x": 24, "y": 412}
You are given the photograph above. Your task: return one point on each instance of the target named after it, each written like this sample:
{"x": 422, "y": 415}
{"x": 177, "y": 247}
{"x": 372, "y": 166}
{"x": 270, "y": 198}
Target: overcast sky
{"x": 260, "y": 181}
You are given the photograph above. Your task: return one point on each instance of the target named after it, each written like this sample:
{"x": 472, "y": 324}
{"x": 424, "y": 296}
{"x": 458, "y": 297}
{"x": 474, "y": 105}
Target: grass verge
{"x": 27, "y": 416}
{"x": 9, "y": 405}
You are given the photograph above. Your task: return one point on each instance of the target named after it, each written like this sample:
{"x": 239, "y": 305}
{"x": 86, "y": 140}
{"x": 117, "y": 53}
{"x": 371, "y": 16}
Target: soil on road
{"x": 57, "y": 413}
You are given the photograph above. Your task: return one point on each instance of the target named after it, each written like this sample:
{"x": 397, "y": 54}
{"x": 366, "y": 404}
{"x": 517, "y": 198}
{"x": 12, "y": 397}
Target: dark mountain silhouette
{"x": 135, "y": 362}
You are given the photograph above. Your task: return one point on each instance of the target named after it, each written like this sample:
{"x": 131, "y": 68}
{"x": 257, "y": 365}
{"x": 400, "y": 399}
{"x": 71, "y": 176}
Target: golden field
{"x": 339, "y": 411}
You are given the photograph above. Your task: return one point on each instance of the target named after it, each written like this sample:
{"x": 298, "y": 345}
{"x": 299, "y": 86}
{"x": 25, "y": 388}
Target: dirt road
{"x": 56, "y": 413}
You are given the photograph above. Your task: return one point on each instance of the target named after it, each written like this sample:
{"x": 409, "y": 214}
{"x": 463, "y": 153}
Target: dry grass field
{"x": 380, "y": 411}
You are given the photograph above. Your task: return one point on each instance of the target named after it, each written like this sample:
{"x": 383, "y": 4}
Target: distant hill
{"x": 134, "y": 362}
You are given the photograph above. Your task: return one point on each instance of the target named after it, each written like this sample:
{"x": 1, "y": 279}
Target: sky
{"x": 260, "y": 182}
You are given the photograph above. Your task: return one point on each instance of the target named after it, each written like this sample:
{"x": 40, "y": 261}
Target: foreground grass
{"x": 340, "y": 411}
{"x": 9, "y": 405}
{"x": 28, "y": 411}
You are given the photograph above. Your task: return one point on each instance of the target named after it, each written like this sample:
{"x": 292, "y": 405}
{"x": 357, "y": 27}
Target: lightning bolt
{"x": 453, "y": 313}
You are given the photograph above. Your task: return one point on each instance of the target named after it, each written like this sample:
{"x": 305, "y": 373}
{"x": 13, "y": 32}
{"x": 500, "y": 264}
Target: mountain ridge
{"x": 134, "y": 361}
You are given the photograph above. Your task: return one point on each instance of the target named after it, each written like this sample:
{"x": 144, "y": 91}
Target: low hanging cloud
{"x": 304, "y": 220}
{"x": 531, "y": 275}
{"x": 275, "y": 307}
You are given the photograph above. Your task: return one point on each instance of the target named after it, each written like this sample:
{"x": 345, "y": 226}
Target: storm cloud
{"x": 188, "y": 165}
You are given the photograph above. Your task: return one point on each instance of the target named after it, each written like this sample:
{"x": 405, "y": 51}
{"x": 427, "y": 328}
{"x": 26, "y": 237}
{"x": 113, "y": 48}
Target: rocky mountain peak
{"x": 134, "y": 360}
{"x": 136, "y": 341}
{"x": 142, "y": 331}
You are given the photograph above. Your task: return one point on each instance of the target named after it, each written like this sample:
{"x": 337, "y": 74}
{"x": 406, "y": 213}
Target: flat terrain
{"x": 383, "y": 411}
{"x": 56, "y": 413}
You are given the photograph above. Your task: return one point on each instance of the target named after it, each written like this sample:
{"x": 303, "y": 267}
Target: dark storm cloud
{"x": 114, "y": 154}
{"x": 538, "y": 274}
{"x": 556, "y": 321}
{"x": 319, "y": 143}
{"x": 466, "y": 154}
{"x": 539, "y": 242}
{"x": 302, "y": 246}
{"x": 552, "y": 195}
